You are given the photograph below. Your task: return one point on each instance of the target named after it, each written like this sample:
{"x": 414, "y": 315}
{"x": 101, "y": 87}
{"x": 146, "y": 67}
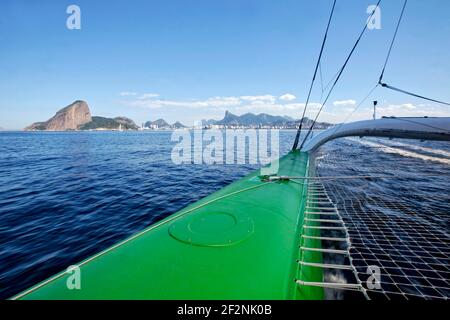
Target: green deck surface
{"x": 241, "y": 242}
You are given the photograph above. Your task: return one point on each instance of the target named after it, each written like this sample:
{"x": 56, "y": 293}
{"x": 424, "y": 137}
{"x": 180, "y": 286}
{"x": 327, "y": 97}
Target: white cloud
{"x": 222, "y": 102}
{"x": 412, "y": 110}
{"x": 193, "y": 104}
{"x": 290, "y": 109}
{"x": 189, "y": 110}
{"x": 236, "y": 104}
{"x": 127, "y": 93}
{"x": 148, "y": 96}
{"x": 258, "y": 102}
{"x": 397, "y": 107}
{"x": 282, "y": 105}
{"x": 266, "y": 98}
{"x": 341, "y": 103}
{"x": 288, "y": 97}
{"x": 398, "y": 110}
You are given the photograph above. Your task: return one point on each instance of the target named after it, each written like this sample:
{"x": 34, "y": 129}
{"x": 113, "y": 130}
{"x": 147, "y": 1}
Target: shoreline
{"x": 143, "y": 131}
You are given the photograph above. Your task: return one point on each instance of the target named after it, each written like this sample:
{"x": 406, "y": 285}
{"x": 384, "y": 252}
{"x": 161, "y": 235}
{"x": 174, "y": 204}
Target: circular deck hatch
{"x": 213, "y": 229}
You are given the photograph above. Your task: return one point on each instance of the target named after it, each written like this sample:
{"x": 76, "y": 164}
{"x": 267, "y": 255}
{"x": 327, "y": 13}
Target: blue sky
{"x": 189, "y": 60}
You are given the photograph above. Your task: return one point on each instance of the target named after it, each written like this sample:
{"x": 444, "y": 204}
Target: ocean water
{"x": 66, "y": 196}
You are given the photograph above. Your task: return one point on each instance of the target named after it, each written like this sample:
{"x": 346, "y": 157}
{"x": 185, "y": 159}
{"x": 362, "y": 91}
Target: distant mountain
{"x": 209, "y": 122}
{"x": 250, "y": 119}
{"x": 229, "y": 119}
{"x": 127, "y": 123}
{"x": 68, "y": 118}
{"x": 101, "y": 123}
{"x": 178, "y": 125}
{"x": 262, "y": 120}
{"x": 289, "y": 118}
{"x": 162, "y": 124}
{"x": 77, "y": 116}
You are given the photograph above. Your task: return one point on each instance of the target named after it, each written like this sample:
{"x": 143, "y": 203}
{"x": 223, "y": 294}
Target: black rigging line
{"x": 393, "y": 41}
{"x": 314, "y": 77}
{"x": 340, "y": 74}
{"x": 329, "y": 83}
{"x": 384, "y": 85}
{"x": 338, "y": 127}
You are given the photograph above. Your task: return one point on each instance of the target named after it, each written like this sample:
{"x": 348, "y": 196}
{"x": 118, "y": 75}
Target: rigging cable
{"x": 384, "y": 85}
{"x": 340, "y": 74}
{"x": 393, "y": 41}
{"x": 314, "y": 77}
{"x": 338, "y": 127}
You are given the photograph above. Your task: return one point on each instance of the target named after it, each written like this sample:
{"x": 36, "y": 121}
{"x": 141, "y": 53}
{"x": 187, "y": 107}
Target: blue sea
{"x": 66, "y": 196}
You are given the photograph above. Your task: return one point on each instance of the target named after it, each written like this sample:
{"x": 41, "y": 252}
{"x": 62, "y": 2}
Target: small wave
{"x": 419, "y": 148}
{"x": 402, "y": 152}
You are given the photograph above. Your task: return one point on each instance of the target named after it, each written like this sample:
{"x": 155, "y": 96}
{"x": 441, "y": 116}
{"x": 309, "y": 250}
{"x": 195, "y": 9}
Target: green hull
{"x": 241, "y": 242}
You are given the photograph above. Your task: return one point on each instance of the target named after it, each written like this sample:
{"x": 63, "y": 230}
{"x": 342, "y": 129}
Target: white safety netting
{"x": 399, "y": 224}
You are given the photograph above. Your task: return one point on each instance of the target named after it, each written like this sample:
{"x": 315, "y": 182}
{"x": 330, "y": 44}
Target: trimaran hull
{"x": 241, "y": 242}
